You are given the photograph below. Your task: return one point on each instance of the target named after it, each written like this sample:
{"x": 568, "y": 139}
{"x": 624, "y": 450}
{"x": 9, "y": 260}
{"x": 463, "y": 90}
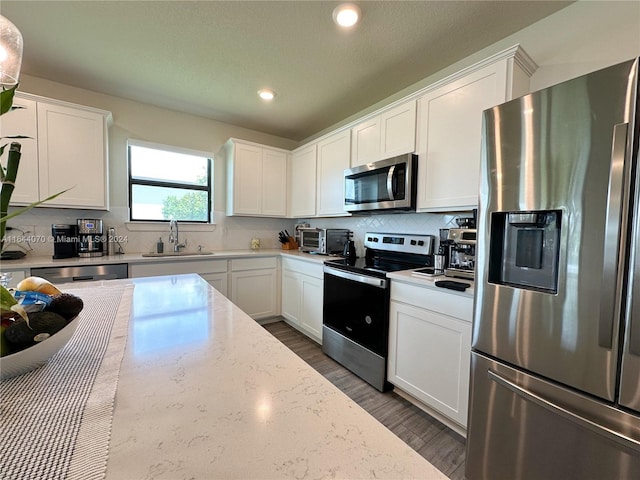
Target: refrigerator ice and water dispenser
{"x": 524, "y": 249}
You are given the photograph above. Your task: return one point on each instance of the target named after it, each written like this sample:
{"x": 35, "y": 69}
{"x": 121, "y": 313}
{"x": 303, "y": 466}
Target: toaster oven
{"x": 324, "y": 241}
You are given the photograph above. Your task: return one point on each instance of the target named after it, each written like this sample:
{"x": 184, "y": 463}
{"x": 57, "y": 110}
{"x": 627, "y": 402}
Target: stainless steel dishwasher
{"x": 82, "y": 273}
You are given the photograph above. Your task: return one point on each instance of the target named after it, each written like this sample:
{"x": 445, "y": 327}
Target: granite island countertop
{"x": 205, "y": 392}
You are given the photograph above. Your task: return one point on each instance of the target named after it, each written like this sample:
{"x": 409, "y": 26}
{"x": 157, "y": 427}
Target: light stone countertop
{"x": 206, "y": 393}
{"x": 407, "y": 276}
{"x": 131, "y": 258}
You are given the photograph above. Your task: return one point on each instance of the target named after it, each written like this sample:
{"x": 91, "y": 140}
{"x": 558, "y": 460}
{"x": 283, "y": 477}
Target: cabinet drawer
{"x": 447, "y": 303}
{"x": 240, "y": 264}
{"x": 177, "y": 268}
{"x": 307, "y": 268}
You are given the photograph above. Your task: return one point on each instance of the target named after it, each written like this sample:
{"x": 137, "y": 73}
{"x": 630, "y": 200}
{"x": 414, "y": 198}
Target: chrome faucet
{"x": 174, "y": 236}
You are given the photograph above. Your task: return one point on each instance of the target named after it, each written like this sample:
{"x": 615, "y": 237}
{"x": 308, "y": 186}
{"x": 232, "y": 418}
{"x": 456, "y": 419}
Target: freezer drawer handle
{"x": 626, "y": 442}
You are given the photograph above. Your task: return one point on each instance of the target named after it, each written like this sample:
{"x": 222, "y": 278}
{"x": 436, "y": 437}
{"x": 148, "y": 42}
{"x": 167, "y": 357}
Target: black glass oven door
{"x": 357, "y": 306}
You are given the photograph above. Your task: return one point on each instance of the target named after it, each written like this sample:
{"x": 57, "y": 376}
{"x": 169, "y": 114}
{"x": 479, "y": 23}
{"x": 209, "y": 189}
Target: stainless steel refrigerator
{"x": 555, "y": 387}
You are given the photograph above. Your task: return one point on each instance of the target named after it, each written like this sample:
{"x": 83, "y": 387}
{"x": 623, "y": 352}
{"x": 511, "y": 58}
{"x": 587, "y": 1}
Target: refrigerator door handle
{"x": 618, "y": 438}
{"x": 610, "y": 269}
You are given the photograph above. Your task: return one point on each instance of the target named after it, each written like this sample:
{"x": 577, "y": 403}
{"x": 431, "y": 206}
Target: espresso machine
{"x": 91, "y": 239}
{"x": 461, "y": 255}
{"x": 458, "y": 245}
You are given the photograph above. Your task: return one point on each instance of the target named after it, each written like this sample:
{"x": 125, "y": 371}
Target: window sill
{"x": 164, "y": 226}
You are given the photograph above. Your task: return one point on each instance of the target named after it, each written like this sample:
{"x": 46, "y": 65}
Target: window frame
{"x": 168, "y": 184}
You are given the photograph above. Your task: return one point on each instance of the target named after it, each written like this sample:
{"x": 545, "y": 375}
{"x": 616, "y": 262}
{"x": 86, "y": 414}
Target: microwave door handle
{"x": 611, "y": 273}
{"x": 390, "y": 183}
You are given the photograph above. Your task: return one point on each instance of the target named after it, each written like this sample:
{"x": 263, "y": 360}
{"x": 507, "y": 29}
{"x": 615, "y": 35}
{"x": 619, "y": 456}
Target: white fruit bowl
{"x": 37, "y": 355}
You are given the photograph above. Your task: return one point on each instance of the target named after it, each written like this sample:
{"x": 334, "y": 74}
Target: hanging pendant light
{"x": 10, "y": 53}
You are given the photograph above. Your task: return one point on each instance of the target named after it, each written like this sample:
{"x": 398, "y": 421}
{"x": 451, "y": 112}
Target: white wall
{"x": 583, "y": 37}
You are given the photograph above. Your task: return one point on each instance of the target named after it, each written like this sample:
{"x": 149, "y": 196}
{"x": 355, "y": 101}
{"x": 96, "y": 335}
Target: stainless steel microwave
{"x": 384, "y": 185}
{"x": 324, "y": 241}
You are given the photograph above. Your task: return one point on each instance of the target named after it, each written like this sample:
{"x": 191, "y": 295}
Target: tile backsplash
{"x": 32, "y": 230}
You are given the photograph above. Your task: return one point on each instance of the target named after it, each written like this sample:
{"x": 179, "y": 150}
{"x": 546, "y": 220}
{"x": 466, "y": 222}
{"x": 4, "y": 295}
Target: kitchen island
{"x": 205, "y": 392}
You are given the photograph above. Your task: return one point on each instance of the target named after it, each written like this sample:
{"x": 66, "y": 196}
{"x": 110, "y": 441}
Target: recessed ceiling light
{"x": 266, "y": 94}
{"x": 346, "y": 15}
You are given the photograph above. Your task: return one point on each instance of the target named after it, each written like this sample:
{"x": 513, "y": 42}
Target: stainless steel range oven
{"x": 355, "y": 329}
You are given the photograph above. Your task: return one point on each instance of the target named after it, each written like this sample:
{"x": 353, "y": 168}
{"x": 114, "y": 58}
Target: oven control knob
{"x": 413, "y": 242}
{"x": 368, "y": 320}
{"x": 421, "y": 242}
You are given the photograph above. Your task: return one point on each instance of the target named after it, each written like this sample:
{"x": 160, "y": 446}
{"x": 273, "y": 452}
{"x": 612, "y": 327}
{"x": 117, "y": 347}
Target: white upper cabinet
{"x": 365, "y": 142}
{"x": 72, "y": 147}
{"x": 274, "y": 183}
{"x": 333, "y": 158}
{"x": 450, "y": 128}
{"x": 67, "y": 150}
{"x": 391, "y": 133}
{"x": 302, "y": 178}
{"x": 256, "y": 179}
{"x": 24, "y": 121}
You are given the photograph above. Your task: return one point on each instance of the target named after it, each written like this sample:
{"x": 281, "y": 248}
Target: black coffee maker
{"x": 65, "y": 240}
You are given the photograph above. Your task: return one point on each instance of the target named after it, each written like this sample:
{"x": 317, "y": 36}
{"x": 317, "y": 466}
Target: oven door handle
{"x": 375, "y": 282}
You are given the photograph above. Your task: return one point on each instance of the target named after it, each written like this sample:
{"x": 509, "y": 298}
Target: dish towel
{"x": 55, "y": 421}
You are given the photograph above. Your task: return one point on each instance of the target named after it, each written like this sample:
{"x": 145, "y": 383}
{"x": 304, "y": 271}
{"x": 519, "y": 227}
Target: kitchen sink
{"x": 176, "y": 254}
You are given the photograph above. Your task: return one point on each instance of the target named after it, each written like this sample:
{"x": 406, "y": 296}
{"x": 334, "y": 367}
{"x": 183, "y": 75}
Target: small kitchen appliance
{"x": 382, "y": 186}
{"x": 324, "y": 241}
{"x": 91, "y": 239}
{"x": 461, "y": 253}
{"x": 355, "y": 330}
{"x": 65, "y": 240}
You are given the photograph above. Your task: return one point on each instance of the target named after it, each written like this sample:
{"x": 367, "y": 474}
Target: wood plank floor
{"x": 440, "y": 445}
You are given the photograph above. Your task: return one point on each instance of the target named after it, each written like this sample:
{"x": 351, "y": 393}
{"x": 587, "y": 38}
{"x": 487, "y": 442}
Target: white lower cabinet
{"x": 302, "y": 290}
{"x": 213, "y": 271}
{"x": 429, "y": 349}
{"x": 254, "y": 286}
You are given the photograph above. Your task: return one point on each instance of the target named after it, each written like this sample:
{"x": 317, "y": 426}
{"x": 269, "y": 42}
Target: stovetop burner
{"x": 390, "y": 253}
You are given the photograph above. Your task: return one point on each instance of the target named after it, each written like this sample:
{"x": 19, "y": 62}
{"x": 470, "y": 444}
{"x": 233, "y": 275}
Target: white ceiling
{"x": 210, "y": 57}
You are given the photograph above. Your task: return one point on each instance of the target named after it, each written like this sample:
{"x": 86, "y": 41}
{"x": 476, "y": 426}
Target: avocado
{"x": 42, "y": 325}
{"x": 66, "y": 304}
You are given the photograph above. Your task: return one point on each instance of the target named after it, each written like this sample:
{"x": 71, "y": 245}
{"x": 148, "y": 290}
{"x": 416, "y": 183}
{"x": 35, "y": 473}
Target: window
{"x": 168, "y": 183}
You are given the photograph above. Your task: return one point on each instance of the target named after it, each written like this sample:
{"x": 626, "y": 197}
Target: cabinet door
{"x": 23, "y": 121}
{"x": 365, "y": 142}
{"x": 303, "y": 182}
{"x": 291, "y": 296}
{"x": 254, "y": 291}
{"x": 398, "y": 130}
{"x": 333, "y": 158}
{"x": 311, "y": 290}
{"x": 274, "y": 183}
{"x": 217, "y": 281}
{"x": 449, "y": 138}
{"x": 72, "y": 154}
{"x": 246, "y": 182}
{"x": 429, "y": 355}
